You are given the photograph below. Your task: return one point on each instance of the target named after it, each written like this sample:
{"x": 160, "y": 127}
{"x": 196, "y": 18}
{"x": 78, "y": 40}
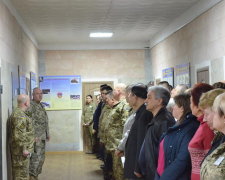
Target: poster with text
{"x": 22, "y": 81}
{"x": 61, "y": 92}
{"x": 168, "y": 75}
{"x": 33, "y": 81}
{"x": 182, "y": 74}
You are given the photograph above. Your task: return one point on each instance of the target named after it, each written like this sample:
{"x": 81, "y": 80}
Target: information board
{"x": 182, "y": 74}
{"x": 61, "y": 92}
{"x": 168, "y": 75}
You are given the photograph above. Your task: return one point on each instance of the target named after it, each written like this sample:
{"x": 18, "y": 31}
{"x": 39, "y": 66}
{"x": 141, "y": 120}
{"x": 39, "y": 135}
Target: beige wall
{"x": 127, "y": 66}
{"x": 15, "y": 49}
{"x": 201, "y": 42}
{"x": 124, "y": 65}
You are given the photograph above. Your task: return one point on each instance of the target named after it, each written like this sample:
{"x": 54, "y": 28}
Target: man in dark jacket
{"x": 137, "y": 132}
{"x": 156, "y": 102}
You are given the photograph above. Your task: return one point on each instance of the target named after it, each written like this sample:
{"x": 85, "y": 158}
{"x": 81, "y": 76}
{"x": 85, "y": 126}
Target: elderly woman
{"x": 206, "y": 103}
{"x": 174, "y": 160}
{"x": 201, "y": 141}
{"x": 214, "y": 165}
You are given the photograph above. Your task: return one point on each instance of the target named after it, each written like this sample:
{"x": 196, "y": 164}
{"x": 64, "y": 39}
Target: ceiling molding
{"x": 20, "y": 21}
{"x": 184, "y": 19}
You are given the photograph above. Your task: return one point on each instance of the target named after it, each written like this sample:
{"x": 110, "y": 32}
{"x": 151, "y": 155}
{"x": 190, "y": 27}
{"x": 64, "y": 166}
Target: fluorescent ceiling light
{"x": 101, "y": 35}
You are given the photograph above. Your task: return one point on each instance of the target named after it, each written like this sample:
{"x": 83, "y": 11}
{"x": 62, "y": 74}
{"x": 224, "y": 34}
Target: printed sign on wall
{"x": 61, "y": 92}
{"x": 182, "y": 74}
{"x": 168, "y": 75}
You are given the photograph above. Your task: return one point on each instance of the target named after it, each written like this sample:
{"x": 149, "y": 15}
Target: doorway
{"x": 92, "y": 88}
{"x": 203, "y": 75}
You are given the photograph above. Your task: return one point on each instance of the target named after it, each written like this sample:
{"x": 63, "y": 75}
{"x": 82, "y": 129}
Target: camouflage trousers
{"x": 20, "y": 167}
{"x": 117, "y": 167}
{"x": 87, "y": 139}
{"x": 37, "y": 158}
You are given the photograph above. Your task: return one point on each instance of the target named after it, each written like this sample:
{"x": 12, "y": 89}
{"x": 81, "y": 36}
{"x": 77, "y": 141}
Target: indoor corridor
{"x": 71, "y": 166}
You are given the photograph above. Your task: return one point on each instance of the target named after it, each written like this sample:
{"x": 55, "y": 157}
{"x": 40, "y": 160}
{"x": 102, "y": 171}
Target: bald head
{"x": 23, "y": 101}
{"x": 119, "y": 91}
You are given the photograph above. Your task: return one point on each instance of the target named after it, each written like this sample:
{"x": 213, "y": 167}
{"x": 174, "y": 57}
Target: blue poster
{"x": 61, "y": 92}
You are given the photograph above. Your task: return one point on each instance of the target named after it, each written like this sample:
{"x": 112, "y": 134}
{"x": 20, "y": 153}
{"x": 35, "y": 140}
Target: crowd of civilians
{"x": 160, "y": 132}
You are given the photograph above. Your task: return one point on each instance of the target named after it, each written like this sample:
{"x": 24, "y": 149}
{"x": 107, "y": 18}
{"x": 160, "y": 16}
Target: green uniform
{"x": 41, "y": 128}
{"x": 117, "y": 119}
{"x": 21, "y": 139}
{"x": 87, "y": 118}
{"x": 103, "y": 121}
{"x": 213, "y": 167}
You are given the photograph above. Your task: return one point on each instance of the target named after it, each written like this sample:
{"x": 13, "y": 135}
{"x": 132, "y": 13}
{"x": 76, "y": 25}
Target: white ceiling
{"x": 64, "y": 23}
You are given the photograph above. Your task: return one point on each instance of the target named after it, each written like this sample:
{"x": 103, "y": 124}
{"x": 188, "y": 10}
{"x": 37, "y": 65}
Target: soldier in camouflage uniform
{"x": 116, "y": 121}
{"x": 41, "y": 128}
{"x": 21, "y": 139}
{"x": 87, "y": 120}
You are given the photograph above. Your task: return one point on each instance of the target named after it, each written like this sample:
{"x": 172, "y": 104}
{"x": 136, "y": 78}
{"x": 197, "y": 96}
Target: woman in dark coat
{"x": 174, "y": 159}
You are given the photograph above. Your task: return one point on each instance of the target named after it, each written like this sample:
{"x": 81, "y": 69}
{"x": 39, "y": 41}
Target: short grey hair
{"x": 160, "y": 93}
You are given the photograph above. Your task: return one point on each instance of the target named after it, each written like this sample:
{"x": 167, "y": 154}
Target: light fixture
{"x": 100, "y": 35}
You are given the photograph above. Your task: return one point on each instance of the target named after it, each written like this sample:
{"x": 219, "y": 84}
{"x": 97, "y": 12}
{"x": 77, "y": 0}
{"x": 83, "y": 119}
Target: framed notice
{"x": 22, "y": 81}
{"x": 182, "y": 74}
{"x": 33, "y": 82}
{"x": 61, "y": 92}
{"x": 167, "y": 75}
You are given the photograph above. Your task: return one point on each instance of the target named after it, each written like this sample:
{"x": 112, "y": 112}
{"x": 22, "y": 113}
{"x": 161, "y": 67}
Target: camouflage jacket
{"x": 114, "y": 130}
{"x": 88, "y": 111}
{"x": 22, "y": 132}
{"x": 40, "y": 120}
{"x": 213, "y": 167}
{"x": 102, "y": 121}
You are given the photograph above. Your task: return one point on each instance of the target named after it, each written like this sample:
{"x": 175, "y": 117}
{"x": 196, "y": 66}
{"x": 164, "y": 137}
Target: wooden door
{"x": 203, "y": 75}
{"x": 93, "y": 89}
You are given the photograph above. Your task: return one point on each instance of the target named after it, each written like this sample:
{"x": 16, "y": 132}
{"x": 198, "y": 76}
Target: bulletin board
{"x": 33, "y": 81}
{"x": 61, "y": 92}
{"x": 182, "y": 74}
{"x": 22, "y": 81}
{"x": 167, "y": 75}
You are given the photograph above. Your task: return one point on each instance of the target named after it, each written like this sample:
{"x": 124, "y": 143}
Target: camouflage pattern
{"x": 210, "y": 171}
{"x": 103, "y": 122}
{"x": 21, "y": 139}
{"x": 117, "y": 167}
{"x": 114, "y": 130}
{"x": 40, "y": 122}
{"x": 117, "y": 119}
{"x": 87, "y": 118}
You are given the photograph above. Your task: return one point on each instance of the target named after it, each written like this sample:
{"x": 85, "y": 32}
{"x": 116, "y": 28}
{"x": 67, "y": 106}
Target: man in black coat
{"x": 137, "y": 132}
{"x": 156, "y": 102}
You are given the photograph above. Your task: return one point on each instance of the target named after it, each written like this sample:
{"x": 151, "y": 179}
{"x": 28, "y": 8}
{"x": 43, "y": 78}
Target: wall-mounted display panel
{"x": 61, "y": 92}
{"x": 182, "y": 74}
{"x": 167, "y": 75}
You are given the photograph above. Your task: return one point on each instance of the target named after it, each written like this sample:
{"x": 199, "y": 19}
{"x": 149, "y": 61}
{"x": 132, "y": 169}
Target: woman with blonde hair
{"x": 213, "y": 166}
{"x": 206, "y": 103}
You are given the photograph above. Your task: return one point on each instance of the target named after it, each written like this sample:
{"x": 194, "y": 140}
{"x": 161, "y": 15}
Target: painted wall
{"x": 201, "y": 42}
{"x": 15, "y": 49}
{"x": 127, "y": 66}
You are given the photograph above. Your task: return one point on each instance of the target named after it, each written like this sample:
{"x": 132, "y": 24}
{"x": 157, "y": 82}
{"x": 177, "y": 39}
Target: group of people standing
{"x": 28, "y": 133}
{"x": 162, "y": 133}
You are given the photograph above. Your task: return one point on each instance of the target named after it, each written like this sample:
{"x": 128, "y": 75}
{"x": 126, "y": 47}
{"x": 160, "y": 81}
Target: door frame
{"x": 202, "y": 66}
